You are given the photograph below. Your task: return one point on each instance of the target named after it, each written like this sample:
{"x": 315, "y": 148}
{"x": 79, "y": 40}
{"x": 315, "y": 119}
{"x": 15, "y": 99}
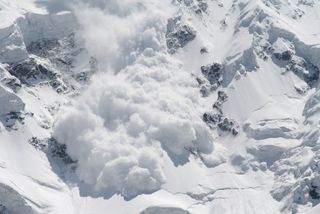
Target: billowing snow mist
{"x": 159, "y": 106}
{"x": 142, "y": 104}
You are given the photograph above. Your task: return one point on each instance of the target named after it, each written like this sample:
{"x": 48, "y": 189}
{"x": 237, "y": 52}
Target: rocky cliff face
{"x": 185, "y": 106}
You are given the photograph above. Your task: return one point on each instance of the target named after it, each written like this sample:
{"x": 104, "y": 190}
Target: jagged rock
{"x": 229, "y": 125}
{"x": 52, "y": 148}
{"x": 62, "y": 55}
{"x": 178, "y": 35}
{"x": 59, "y": 52}
{"x": 314, "y": 192}
{"x": 212, "y": 119}
{"x": 32, "y": 72}
{"x": 222, "y": 96}
{"x": 214, "y": 74}
{"x": 37, "y": 143}
{"x": 305, "y": 70}
{"x": 284, "y": 56}
{"x": 216, "y": 118}
{"x": 8, "y": 80}
{"x": 223, "y": 123}
{"x": 58, "y": 150}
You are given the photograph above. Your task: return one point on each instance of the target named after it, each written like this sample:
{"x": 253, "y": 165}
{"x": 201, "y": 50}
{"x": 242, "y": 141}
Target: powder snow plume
{"x": 141, "y": 106}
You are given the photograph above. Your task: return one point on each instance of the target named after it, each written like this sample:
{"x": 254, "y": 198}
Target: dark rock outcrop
{"x": 213, "y": 73}
{"x": 12, "y": 82}
{"x": 32, "y": 72}
{"x": 178, "y": 35}
{"x": 284, "y": 56}
{"x": 216, "y": 118}
{"x": 305, "y": 70}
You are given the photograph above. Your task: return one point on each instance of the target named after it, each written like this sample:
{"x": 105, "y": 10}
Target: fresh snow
{"x": 98, "y": 116}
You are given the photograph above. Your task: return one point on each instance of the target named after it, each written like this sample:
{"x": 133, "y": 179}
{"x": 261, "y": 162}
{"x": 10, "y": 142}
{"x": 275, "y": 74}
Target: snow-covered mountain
{"x": 151, "y": 107}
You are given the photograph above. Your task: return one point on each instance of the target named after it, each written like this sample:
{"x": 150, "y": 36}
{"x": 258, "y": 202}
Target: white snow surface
{"x": 136, "y": 133}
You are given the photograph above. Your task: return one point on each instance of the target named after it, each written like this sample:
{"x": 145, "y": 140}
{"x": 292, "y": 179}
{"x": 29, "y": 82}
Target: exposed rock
{"x": 222, "y": 96}
{"x": 32, "y": 72}
{"x": 213, "y": 77}
{"x": 305, "y": 70}
{"x": 229, "y": 125}
{"x": 216, "y": 118}
{"x": 37, "y": 143}
{"x": 62, "y": 55}
{"x": 204, "y": 50}
{"x": 203, "y": 6}
{"x": 212, "y": 119}
{"x": 284, "y": 56}
{"x": 43, "y": 47}
{"x": 214, "y": 74}
{"x": 197, "y": 6}
{"x": 58, "y": 150}
{"x": 314, "y": 192}
{"x": 9, "y": 120}
{"x": 52, "y": 148}
{"x": 305, "y": 172}
{"x": 178, "y": 35}
{"x": 12, "y": 82}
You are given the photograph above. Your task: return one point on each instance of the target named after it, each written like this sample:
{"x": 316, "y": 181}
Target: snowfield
{"x": 151, "y": 107}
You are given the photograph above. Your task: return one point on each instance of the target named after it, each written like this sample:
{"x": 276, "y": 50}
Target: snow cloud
{"x": 141, "y": 106}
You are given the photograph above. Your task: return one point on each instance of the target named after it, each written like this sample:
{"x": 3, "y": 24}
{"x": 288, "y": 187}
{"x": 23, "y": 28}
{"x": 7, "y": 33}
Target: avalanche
{"x": 145, "y": 106}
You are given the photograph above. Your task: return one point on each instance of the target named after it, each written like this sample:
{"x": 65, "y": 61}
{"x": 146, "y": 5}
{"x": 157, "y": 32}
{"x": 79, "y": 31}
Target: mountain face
{"x": 151, "y": 107}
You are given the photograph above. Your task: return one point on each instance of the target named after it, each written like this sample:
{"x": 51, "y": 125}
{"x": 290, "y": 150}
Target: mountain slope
{"x": 185, "y": 106}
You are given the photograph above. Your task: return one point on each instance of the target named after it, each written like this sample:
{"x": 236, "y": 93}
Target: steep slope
{"x": 185, "y": 106}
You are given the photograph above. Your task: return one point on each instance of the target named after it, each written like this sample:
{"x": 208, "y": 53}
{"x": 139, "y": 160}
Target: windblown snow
{"x": 146, "y": 106}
